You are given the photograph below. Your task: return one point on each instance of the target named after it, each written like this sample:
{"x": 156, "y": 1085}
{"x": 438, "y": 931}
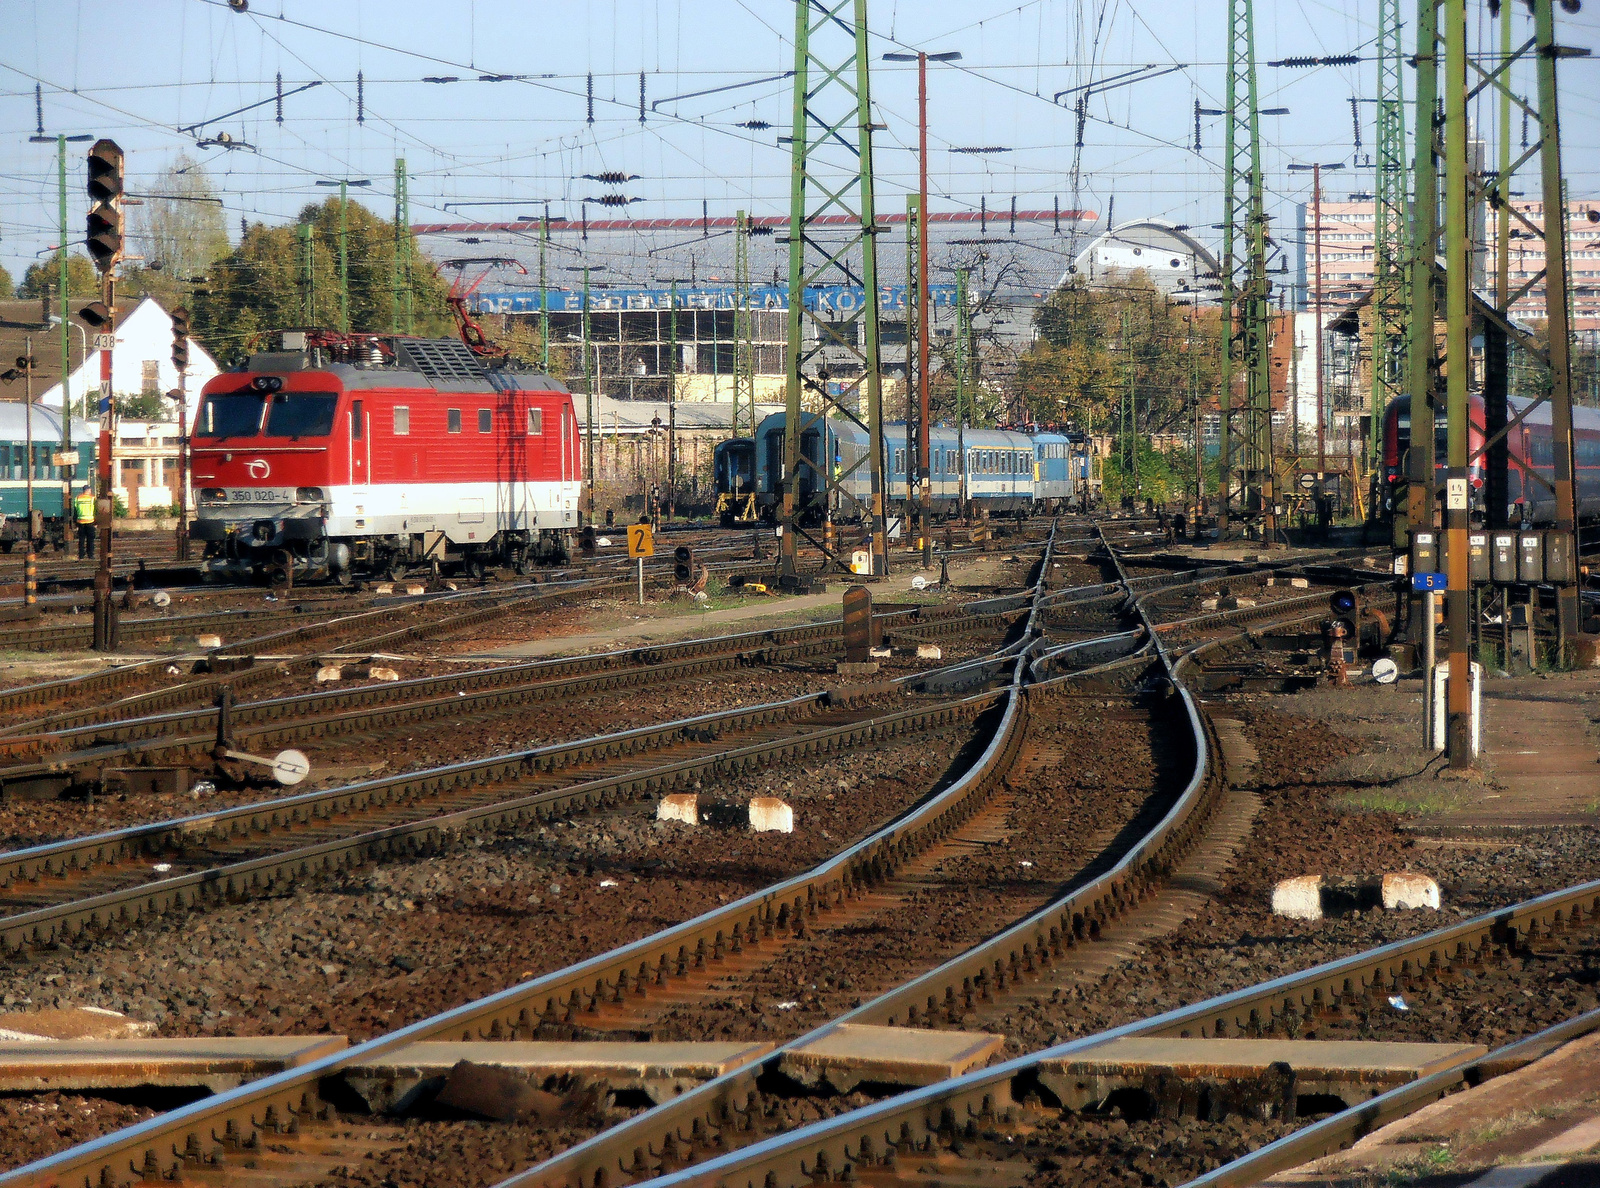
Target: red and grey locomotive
{"x": 348, "y": 454}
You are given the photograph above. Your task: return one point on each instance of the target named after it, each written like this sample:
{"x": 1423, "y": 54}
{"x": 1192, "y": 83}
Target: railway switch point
{"x": 768, "y": 814}
{"x": 683, "y": 807}
{"x": 854, "y": 1054}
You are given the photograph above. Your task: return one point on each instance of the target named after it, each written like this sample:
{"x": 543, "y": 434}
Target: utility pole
{"x": 913, "y": 324}
{"x": 308, "y": 272}
{"x": 403, "y": 319}
{"x": 924, "y": 472}
{"x": 344, "y": 257}
{"x": 1496, "y": 486}
{"x": 1458, "y": 280}
{"x": 672, "y": 404}
{"x": 1322, "y": 440}
{"x": 60, "y": 141}
{"x": 590, "y": 377}
{"x": 1557, "y": 303}
{"x": 544, "y": 290}
{"x": 66, "y": 333}
{"x": 1421, "y": 352}
{"x": 744, "y": 363}
{"x": 924, "y": 468}
{"x": 344, "y": 184}
{"x": 832, "y": 34}
{"x": 963, "y": 366}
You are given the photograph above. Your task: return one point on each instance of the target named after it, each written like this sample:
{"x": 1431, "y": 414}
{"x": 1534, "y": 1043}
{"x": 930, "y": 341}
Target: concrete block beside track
{"x": 1299, "y": 898}
{"x": 768, "y": 814}
{"x": 1402, "y": 892}
{"x": 683, "y": 807}
{"x": 1312, "y": 897}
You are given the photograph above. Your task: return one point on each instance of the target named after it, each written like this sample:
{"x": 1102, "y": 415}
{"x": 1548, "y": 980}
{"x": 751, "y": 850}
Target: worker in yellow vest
{"x": 83, "y": 509}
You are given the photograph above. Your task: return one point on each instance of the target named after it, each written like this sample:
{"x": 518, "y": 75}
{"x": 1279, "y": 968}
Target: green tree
{"x": 259, "y": 287}
{"x": 40, "y": 279}
{"x": 181, "y": 231}
{"x": 7, "y": 289}
{"x": 147, "y": 406}
{"x": 1100, "y": 346}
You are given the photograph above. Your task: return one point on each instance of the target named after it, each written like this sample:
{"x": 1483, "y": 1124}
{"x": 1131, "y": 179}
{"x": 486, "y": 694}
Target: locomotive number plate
{"x": 258, "y": 495}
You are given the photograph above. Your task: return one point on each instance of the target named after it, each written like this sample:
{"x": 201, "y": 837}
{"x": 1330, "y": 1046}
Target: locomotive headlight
{"x": 213, "y": 495}
{"x": 308, "y": 495}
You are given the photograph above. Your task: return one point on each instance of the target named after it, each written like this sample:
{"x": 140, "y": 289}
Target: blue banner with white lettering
{"x": 825, "y": 299}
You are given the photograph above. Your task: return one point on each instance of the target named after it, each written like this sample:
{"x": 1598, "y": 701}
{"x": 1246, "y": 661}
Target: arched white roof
{"x": 1166, "y": 252}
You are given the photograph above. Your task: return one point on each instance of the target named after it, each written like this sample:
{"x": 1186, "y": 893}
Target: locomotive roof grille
{"x": 445, "y": 359}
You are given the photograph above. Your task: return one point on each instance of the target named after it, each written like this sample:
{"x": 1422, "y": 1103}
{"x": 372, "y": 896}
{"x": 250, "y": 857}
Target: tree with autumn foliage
{"x": 258, "y": 287}
{"x": 1100, "y": 342}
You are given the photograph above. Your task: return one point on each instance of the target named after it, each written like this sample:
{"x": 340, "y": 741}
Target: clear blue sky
{"x": 140, "y": 72}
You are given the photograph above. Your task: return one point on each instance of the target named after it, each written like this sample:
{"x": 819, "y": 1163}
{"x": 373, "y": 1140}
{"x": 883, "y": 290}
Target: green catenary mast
{"x": 831, "y": 174}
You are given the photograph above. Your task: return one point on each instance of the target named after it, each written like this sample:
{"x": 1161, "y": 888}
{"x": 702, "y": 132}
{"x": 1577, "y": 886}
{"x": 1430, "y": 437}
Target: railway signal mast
{"x": 104, "y": 240}
{"x": 831, "y": 176}
{"x": 180, "y": 360}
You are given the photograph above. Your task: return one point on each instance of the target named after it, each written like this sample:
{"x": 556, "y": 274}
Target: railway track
{"x": 51, "y": 893}
{"x": 751, "y": 923}
{"x": 970, "y": 1126}
{"x": 76, "y": 745}
{"x": 371, "y": 630}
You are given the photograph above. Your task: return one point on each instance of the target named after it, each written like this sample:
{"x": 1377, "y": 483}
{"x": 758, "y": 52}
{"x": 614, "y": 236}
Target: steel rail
{"x": 107, "y": 680}
{"x": 723, "y": 1107}
{"x": 923, "y": 1119}
{"x": 270, "y": 873}
{"x": 135, "y": 842}
{"x": 1340, "y": 1130}
{"x": 204, "y": 1131}
{"x": 68, "y": 741}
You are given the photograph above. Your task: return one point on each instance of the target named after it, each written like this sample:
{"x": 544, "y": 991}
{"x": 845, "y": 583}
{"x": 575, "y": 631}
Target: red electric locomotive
{"x": 368, "y": 454}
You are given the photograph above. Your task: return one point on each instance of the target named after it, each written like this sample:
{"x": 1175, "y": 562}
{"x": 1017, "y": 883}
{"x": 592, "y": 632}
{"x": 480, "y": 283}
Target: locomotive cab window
{"x": 301, "y": 414}
{"x": 535, "y": 422}
{"x": 230, "y": 414}
{"x": 452, "y": 420}
{"x": 402, "y": 421}
{"x": 485, "y": 421}
{"x": 357, "y": 415}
